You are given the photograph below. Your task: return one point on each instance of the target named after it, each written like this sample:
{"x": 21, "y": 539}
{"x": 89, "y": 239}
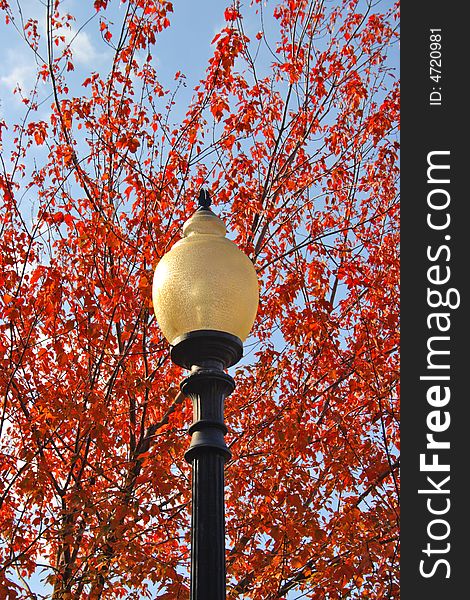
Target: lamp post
{"x": 205, "y": 297}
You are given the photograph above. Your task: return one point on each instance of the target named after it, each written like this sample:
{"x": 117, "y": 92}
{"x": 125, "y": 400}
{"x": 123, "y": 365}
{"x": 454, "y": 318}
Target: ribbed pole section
{"x": 208, "y": 388}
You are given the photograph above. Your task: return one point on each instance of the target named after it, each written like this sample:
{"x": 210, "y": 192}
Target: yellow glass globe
{"x": 205, "y": 282}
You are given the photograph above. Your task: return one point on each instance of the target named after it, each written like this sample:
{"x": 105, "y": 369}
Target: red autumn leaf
{"x": 39, "y": 132}
{"x": 133, "y": 144}
{"x": 231, "y": 14}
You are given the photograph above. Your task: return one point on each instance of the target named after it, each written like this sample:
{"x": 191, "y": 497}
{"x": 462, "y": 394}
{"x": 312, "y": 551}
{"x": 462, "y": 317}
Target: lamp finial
{"x": 204, "y": 200}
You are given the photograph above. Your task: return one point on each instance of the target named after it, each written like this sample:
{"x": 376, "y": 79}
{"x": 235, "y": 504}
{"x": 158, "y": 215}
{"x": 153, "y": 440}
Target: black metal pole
{"x": 208, "y": 389}
{"x": 207, "y": 353}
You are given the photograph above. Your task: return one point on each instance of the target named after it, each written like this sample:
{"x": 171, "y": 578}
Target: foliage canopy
{"x": 294, "y": 131}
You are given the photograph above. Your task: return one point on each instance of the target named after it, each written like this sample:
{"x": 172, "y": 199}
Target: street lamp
{"x": 205, "y": 297}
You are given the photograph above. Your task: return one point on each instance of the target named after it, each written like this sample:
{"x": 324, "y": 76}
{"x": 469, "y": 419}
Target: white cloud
{"x": 82, "y": 48}
{"x": 22, "y": 75}
{"x": 17, "y": 70}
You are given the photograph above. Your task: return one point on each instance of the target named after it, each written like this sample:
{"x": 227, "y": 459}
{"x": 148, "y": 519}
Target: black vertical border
{"x": 428, "y": 128}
